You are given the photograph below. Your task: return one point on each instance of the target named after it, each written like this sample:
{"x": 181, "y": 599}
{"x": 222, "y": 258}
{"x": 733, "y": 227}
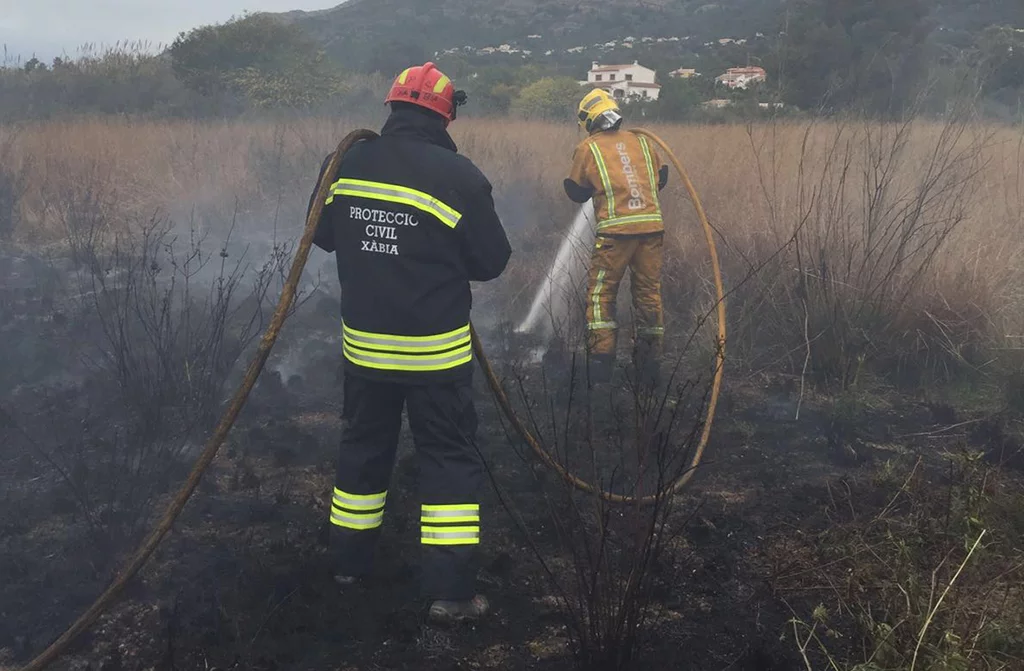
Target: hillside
{"x": 362, "y": 33}
{"x": 360, "y": 29}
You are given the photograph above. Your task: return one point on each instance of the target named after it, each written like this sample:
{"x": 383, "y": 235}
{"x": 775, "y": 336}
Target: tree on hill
{"x": 680, "y": 98}
{"x": 492, "y": 90}
{"x": 553, "y": 98}
{"x": 841, "y": 54}
{"x": 255, "y": 57}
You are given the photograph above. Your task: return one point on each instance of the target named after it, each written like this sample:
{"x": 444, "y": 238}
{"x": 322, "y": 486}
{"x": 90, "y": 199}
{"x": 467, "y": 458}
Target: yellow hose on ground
{"x": 284, "y": 304}
{"x": 698, "y": 454}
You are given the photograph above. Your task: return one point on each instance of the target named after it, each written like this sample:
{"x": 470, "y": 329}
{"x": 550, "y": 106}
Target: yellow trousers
{"x": 642, "y": 254}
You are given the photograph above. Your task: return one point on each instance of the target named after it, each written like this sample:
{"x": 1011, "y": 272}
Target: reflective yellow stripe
{"x": 602, "y": 326}
{"x": 402, "y": 338}
{"x": 402, "y": 77}
{"x": 414, "y": 349}
{"x": 651, "y": 330}
{"x": 350, "y": 501}
{"x": 633, "y": 219}
{"x": 418, "y": 363}
{"x": 450, "y": 514}
{"x": 357, "y": 511}
{"x": 450, "y": 520}
{"x": 386, "y": 342}
{"x": 450, "y": 535}
{"x": 450, "y": 506}
{"x": 395, "y": 193}
{"x": 650, "y": 172}
{"x": 596, "y": 296}
{"x": 609, "y": 193}
{"x": 357, "y": 521}
{"x": 385, "y": 351}
{"x": 362, "y": 497}
{"x": 441, "y": 83}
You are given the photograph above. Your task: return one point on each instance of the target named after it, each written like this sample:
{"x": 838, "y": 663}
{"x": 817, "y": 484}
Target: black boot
{"x": 600, "y": 369}
{"x": 648, "y": 366}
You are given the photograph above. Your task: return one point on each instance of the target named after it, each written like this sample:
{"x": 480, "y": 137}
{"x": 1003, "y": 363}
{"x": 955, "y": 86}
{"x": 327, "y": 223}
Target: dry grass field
{"x": 896, "y": 244}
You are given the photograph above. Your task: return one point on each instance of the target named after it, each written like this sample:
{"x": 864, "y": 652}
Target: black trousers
{"x": 444, "y": 422}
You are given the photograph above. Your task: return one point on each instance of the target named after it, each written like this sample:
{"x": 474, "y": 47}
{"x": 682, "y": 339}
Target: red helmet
{"x": 428, "y": 87}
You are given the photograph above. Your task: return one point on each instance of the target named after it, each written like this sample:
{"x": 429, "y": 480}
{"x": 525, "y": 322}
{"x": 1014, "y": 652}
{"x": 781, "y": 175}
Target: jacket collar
{"x": 410, "y": 123}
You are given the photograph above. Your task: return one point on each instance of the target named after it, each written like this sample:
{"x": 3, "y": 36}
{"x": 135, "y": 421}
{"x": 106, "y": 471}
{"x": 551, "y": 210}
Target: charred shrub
{"x": 610, "y": 561}
{"x": 170, "y": 317}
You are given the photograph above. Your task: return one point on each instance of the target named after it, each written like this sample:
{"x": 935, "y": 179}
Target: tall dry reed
{"x": 787, "y": 200}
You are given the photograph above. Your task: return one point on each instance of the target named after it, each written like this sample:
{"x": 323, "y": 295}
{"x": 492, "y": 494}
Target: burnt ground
{"x": 243, "y": 581}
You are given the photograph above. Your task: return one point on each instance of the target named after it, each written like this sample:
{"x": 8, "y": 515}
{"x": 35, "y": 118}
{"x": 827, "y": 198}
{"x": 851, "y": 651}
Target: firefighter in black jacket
{"x": 412, "y": 223}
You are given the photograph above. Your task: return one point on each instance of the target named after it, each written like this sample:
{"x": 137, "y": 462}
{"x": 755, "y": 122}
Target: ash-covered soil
{"x": 244, "y": 581}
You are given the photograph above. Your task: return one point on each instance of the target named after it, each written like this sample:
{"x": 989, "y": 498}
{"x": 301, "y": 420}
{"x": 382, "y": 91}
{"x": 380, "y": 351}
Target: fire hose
{"x": 284, "y": 305}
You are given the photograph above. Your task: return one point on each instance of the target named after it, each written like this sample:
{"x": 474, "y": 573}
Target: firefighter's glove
{"x": 577, "y": 193}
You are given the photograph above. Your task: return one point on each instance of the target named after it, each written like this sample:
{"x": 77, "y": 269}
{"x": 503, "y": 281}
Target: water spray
{"x": 284, "y": 305}
{"x": 559, "y": 278}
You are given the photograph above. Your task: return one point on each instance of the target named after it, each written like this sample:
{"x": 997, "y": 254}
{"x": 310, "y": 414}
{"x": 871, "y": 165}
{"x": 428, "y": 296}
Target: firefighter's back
{"x": 623, "y": 169}
{"x": 413, "y": 223}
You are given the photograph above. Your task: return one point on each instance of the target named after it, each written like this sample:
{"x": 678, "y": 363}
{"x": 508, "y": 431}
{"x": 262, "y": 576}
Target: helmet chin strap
{"x": 458, "y": 100}
{"x": 605, "y": 120}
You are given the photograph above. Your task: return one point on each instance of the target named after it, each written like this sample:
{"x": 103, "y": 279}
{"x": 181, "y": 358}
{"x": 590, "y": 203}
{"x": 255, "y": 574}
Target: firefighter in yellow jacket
{"x": 622, "y": 172}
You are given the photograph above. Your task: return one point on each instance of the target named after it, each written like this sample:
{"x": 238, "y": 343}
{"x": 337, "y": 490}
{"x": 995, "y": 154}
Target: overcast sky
{"x": 50, "y": 27}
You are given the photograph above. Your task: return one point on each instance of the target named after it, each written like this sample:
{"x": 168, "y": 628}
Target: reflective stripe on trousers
{"x": 450, "y": 524}
{"x": 359, "y": 512}
{"x": 384, "y": 351}
{"x": 642, "y": 255}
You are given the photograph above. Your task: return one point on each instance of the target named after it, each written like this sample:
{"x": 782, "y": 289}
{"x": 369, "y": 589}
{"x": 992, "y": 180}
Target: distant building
{"x": 624, "y": 81}
{"x": 684, "y": 73}
{"x": 741, "y": 78}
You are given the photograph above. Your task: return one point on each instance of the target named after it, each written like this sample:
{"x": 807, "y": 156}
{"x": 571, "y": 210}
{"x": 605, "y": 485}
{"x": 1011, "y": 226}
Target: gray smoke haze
{"x": 49, "y": 28}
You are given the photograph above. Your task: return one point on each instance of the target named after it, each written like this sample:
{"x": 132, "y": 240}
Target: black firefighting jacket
{"x": 411, "y": 223}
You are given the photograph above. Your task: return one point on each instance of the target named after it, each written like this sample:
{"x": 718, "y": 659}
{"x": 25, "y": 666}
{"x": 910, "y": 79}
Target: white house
{"x": 741, "y": 78}
{"x": 624, "y": 81}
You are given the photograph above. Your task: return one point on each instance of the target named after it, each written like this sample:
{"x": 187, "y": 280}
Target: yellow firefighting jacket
{"x": 623, "y": 174}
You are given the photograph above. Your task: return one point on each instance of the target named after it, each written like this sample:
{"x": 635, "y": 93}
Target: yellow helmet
{"x": 595, "y": 104}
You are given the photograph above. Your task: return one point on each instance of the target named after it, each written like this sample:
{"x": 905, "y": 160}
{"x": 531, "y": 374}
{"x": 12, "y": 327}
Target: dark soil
{"x": 244, "y": 580}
